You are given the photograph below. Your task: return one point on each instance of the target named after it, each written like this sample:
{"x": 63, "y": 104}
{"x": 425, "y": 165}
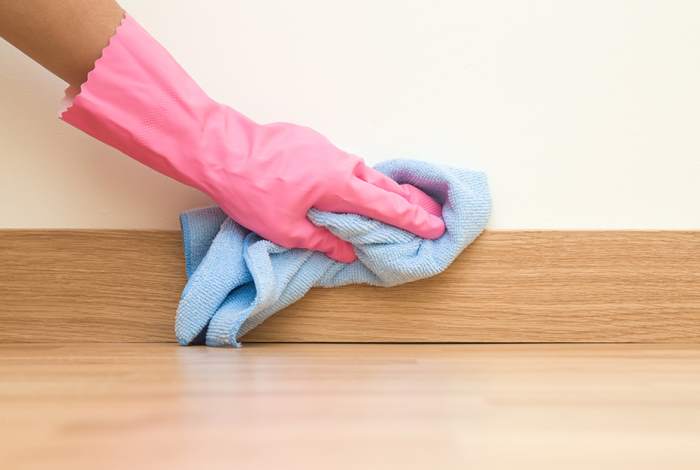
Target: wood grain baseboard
{"x": 509, "y": 286}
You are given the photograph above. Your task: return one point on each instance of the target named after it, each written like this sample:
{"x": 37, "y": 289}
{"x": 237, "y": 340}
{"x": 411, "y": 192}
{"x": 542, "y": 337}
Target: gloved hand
{"x": 266, "y": 177}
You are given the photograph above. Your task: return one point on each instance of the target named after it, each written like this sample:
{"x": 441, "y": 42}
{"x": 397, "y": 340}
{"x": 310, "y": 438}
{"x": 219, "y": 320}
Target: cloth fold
{"x": 236, "y": 280}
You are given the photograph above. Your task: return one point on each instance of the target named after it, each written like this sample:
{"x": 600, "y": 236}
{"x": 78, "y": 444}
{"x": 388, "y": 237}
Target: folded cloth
{"x": 236, "y": 280}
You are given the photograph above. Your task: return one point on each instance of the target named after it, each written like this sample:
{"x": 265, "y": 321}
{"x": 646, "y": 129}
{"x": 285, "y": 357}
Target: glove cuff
{"x": 139, "y": 100}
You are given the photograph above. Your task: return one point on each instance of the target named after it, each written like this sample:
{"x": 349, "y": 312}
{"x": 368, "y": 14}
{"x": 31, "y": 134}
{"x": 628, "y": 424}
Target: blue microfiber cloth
{"x": 236, "y": 279}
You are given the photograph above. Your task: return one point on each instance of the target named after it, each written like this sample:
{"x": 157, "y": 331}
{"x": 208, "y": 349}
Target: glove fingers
{"x": 408, "y": 191}
{"x": 372, "y": 176}
{"x": 416, "y": 196}
{"x": 315, "y": 238}
{"x": 391, "y": 208}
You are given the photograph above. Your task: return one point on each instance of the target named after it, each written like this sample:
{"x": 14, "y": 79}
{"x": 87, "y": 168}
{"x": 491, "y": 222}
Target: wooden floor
{"x": 294, "y": 406}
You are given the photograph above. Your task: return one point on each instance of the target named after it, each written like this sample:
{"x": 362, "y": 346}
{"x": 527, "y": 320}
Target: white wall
{"x": 585, "y": 114}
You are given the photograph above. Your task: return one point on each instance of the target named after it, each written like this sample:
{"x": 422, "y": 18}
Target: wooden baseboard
{"x": 527, "y": 286}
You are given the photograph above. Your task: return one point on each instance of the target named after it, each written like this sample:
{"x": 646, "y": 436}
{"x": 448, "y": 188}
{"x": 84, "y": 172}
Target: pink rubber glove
{"x": 266, "y": 177}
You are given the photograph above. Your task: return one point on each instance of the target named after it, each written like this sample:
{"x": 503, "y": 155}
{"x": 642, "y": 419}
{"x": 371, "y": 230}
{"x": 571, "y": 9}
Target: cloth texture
{"x": 236, "y": 279}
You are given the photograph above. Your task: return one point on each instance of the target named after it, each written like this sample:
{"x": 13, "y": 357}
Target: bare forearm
{"x": 65, "y": 36}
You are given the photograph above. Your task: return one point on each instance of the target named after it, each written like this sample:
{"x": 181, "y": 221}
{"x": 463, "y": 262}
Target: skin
{"x": 64, "y": 36}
